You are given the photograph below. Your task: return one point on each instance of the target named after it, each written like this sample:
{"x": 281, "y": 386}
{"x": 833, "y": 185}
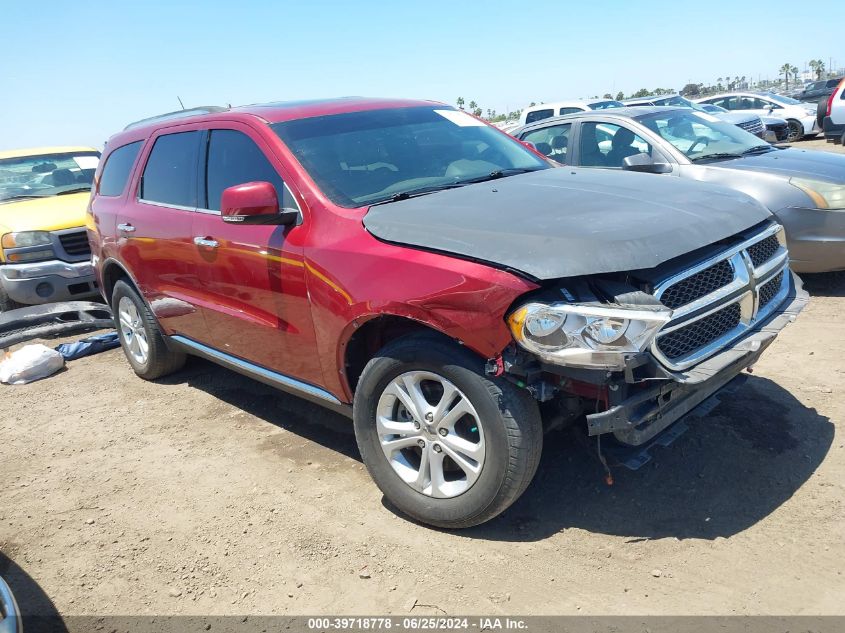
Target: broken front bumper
{"x": 647, "y": 412}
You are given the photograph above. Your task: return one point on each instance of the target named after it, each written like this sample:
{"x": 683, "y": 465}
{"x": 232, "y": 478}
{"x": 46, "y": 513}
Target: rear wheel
{"x": 796, "y": 130}
{"x": 445, "y": 443}
{"x": 140, "y": 336}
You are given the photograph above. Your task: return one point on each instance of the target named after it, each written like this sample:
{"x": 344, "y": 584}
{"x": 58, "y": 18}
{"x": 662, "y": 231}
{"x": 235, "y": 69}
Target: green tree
{"x": 620, "y": 95}
{"x": 473, "y": 105}
{"x": 642, "y": 92}
{"x": 460, "y": 103}
{"x": 786, "y": 71}
{"x": 817, "y": 67}
{"x": 607, "y": 95}
{"x": 691, "y": 90}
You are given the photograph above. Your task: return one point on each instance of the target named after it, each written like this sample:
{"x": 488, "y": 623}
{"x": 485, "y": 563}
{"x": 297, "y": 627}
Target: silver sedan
{"x": 805, "y": 189}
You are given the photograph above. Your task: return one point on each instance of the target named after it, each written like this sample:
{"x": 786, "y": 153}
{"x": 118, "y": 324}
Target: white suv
{"x": 559, "y": 108}
{"x": 833, "y": 120}
{"x": 801, "y": 117}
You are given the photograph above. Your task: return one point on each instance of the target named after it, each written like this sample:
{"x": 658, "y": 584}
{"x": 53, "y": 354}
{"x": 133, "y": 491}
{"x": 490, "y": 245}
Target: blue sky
{"x": 77, "y": 71}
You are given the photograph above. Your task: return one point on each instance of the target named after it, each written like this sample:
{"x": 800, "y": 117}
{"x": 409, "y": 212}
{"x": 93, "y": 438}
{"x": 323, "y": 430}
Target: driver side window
{"x": 608, "y": 145}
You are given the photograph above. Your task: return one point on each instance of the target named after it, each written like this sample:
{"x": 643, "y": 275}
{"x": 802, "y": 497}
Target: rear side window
{"x": 170, "y": 176}
{"x": 117, "y": 168}
{"x": 235, "y": 159}
{"x": 539, "y": 115}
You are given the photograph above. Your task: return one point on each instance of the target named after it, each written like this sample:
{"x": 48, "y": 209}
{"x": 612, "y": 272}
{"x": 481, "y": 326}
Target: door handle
{"x": 205, "y": 241}
{"x": 126, "y": 228}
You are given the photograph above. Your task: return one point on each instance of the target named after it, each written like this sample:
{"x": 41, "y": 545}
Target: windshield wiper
{"x": 20, "y": 196}
{"x": 758, "y": 149}
{"x": 715, "y": 156}
{"x": 501, "y": 173}
{"x": 413, "y": 193}
{"x": 75, "y": 190}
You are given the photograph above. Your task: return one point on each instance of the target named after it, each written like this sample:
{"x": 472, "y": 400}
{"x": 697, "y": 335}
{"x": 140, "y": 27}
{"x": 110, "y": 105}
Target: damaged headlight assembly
{"x": 585, "y": 335}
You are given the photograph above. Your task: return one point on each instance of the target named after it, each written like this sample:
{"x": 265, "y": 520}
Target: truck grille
{"x": 755, "y": 126}
{"x": 75, "y": 243}
{"x": 718, "y": 300}
{"x": 698, "y": 285}
{"x": 699, "y": 333}
{"x": 763, "y": 251}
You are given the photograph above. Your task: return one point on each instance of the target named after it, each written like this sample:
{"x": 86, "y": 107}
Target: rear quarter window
{"x": 539, "y": 115}
{"x": 170, "y": 176}
{"x": 117, "y": 168}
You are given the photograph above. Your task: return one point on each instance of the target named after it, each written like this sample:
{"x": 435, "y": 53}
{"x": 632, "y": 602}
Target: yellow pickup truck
{"x": 44, "y": 251}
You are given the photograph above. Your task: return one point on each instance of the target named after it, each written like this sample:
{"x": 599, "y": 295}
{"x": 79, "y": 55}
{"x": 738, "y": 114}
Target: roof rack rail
{"x": 177, "y": 114}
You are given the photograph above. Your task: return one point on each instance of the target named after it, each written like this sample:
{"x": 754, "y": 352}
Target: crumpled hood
{"x": 791, "y": 162}
{"x": 564, "y": 222}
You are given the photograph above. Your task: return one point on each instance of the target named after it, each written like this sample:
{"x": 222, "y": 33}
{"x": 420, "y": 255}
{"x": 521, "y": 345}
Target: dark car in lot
{"x": 412, "y": 267}
{"x": 805, "y": 189}
{"x": 818, "y": 90}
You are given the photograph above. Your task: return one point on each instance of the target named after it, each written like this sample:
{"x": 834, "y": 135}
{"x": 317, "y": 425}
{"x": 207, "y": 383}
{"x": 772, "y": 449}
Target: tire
{"x": 6, "y": 303}
{"x": 821, "y": 112}
{"x": 138, "y": 329}
{"x": 796, "y": 130}
{"x": 507, "y": 436}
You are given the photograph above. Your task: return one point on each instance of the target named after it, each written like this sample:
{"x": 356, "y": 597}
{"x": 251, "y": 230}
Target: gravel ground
{"x": 208, "y": 493}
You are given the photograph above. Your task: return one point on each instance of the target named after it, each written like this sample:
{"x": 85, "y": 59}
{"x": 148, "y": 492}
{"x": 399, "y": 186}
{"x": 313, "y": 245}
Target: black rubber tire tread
{"x": 794, "y": 122}
{"x": 6, "y": 303}
{"x": 161, "y": 360}
{"x": 519, "y": 417}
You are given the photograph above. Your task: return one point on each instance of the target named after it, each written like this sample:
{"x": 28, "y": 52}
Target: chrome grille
{"x": 698, "y": 285}
{"x": 719, "y": 299}
{"x": 699, "y": 333}
{"x": 75, "y": 243}
{"x": 755, "y": 126}
{"x": 763, "y": 251}
{"x": 769, "y": 289}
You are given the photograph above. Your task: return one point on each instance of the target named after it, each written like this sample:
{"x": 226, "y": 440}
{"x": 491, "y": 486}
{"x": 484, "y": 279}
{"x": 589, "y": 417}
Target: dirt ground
{"x": 208, "y": 493}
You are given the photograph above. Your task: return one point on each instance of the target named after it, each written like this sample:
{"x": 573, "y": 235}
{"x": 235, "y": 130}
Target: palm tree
{"x": 817, "y": 66}
{"x": 786, "y": 70}
{"x": 460, "y": 103}
{"x": 795, "y": 72}
{"x": 472, "y": 106}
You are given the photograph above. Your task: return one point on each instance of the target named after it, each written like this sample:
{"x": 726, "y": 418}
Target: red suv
{"x": 441, "y": 283}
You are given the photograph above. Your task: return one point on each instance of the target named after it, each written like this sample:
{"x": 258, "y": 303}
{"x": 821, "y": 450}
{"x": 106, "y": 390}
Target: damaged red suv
{"x": 414, "y": 268}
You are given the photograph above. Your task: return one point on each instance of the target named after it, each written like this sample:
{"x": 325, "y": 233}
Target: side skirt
{"x": 262, "y": 374}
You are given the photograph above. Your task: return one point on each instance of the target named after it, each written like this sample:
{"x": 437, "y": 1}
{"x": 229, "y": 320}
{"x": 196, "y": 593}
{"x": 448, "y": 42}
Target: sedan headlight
{"x": 26, "y": 238}
{"x": 825, "y": 195}
{"x": 585, "y": 336}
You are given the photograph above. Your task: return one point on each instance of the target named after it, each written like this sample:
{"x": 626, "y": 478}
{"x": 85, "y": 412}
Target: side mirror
{"x": 770, "y": 137}
{"x": 645, "y": 164}
{"x": 254, "y": 203}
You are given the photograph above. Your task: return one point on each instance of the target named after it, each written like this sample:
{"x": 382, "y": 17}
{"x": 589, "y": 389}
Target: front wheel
{"x": 140, "y": 336}
{"x": 446, "y": 444}
{"x": 796, "y": 130}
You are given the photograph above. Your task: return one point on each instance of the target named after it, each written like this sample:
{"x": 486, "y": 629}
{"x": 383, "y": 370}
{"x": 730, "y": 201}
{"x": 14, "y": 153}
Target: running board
{"x": 262, "y": 374}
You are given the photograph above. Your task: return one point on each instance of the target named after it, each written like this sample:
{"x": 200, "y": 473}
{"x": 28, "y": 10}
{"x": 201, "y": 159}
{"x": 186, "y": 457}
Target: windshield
{"x": 782, "y": 99}
{"x": 361, "y": 158}
{"x": 702, "y": 136}
{"x": 604, "y": 105}
{"x": 46, "y": 174}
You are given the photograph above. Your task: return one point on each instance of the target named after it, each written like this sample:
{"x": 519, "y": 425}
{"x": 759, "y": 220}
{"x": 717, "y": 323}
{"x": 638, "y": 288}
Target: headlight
{"x": 585, "y": 336}
{"x": 825, "y": 195}
{"x": 26, "y": 238}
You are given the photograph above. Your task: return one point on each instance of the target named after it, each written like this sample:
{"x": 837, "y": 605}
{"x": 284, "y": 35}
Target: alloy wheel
{"x": 132, "y": 330}
{"x": 430, "y": 434}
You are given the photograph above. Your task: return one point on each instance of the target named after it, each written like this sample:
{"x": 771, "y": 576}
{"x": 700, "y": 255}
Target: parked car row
{"x": 801, "y": 117}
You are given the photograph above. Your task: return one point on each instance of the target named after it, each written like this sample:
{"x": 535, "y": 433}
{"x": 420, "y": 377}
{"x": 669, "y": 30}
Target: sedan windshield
{"x": 46, "y": 174}
{"x": 604, "y": 105}
{"x": 783, "y": 99}
{"x": 362, "y": 158}
{"x": 702, "y": 136}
